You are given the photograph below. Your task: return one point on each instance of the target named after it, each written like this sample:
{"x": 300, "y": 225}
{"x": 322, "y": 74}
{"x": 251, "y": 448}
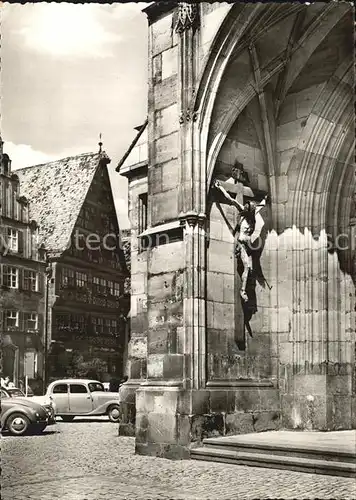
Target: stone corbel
{"x": 192, "y": 220}
{"x": 187, "y": 116}
{"x": 188, "y": 16}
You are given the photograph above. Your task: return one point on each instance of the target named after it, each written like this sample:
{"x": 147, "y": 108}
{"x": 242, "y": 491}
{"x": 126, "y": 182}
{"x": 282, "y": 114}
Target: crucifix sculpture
{"x": 243, "y": 248}
{"x": 246, "y": 232}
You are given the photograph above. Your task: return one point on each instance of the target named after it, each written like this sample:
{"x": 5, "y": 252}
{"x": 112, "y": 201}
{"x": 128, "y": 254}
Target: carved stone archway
{"x": 270, "y": 89}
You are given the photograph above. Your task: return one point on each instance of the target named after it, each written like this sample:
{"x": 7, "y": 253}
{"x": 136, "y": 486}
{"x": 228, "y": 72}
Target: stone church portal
{"x": 249, "y": 105}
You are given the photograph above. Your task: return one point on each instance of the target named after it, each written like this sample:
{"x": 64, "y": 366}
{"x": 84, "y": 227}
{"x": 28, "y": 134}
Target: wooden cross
{"x": 242, "y": 194}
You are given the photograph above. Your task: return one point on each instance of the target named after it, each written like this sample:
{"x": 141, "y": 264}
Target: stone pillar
{"x": 194, "y": 306}
{"x": 176, "y": 369}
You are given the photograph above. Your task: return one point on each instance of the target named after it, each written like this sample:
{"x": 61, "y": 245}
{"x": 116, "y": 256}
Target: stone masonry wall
{"x": 163, "y": 125}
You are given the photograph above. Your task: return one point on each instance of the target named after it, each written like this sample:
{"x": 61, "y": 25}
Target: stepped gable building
{"x": 22, "y": 282}
{"x": 240, "y": 188}
{"x": 73, "y": 203}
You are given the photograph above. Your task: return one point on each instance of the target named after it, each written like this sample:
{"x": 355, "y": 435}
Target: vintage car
{"x": 47, "y": 403}
{"x": 21, "y": 416}
{"x": 79, "y": 397}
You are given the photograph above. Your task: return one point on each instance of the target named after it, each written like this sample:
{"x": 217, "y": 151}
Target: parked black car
{"x": 14, "y": 392}
{"x": 21, "y": 416}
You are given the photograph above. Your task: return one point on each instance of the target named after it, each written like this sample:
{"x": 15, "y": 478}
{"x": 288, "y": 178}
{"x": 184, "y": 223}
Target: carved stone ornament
{"x": 187, "y": 16}
{"x": 193, "y": 219}
{"x": 187, "y": 116}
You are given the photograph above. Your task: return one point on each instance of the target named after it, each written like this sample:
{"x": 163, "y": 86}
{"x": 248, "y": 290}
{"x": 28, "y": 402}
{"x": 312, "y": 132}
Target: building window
{"x": 68, "y": 279}
{"x": 30, "y": 280}
{"x": 10, "y": 277}
{"x": 98, "y": 324}
{"x": 96, "y": 284}
{"x": 87, "y": 217}
{"x": 112, "y": 223}
{"x": 116, "y": 289}
{"x": 95, "y": 255}
{"x": 81, "y": 280}
{"x": 12, "y": 319}
{"x": 113, "y": 327}
{"x": 13, "y": 239}
{"x": 63, "y": 321}
{"x": 78, "y": 322}
{"x": 105, "y": 222}
{"x": 110, "y": 326}
{"x": 102, "y": 285}
{"x": 31, "y": 321}
{"x": 107, "y": 328}
{"x": 110, "y": 285}
{"x": 142, "y": 213}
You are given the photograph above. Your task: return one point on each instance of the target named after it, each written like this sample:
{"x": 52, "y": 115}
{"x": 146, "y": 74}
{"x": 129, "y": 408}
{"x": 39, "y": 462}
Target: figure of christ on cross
{"x": 248, "y": 213}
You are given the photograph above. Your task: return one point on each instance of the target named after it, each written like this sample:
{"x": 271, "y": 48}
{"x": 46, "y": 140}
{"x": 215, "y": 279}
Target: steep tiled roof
{"x": 56, "y": 192}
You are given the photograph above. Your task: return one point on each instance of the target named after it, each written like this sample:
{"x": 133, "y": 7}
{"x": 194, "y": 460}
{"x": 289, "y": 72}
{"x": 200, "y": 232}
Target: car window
{"x": 16, "y": 392}
{"x": 78, "y": 389}
{"x": 4, "y": 394}
{"x": 60, "y": 389}
{"x": 95, "y": 386}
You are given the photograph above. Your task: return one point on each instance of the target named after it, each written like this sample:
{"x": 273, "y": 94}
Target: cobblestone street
{"x": 86, "y": 459}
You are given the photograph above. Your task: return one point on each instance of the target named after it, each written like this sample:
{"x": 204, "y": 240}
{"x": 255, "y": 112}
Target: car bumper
{"x": 51, "y": 416}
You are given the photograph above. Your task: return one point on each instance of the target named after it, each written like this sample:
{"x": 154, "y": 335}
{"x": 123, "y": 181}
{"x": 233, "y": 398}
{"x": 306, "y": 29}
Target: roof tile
{"x": 56, "y": 192}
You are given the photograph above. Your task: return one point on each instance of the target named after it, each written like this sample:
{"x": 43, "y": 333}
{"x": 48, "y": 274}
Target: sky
{"x": 69, "y": 73}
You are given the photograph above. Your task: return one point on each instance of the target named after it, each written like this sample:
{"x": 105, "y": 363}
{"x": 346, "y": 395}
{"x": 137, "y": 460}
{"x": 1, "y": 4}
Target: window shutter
{"x": 21, "y": 320}
{"x": 40, "y": 281}
{"x": 21, "y": 243}
{"x": 5, "y": 277}
{"x": 3, "y": 240}
{"x": 20, "y": 278}
{"x": 41, "y": 326}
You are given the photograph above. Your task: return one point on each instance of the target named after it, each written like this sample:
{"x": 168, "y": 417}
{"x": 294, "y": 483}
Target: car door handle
{"x": 88, "y": 397}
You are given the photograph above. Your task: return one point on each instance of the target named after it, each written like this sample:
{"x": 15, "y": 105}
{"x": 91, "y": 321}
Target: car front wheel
{"x": 17, "y": 424}
{"x": 114, "y": 413}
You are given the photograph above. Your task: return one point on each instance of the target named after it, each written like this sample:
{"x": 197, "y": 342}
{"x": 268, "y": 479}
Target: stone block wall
{"x": 165, "y": 314}
{"x": 170, "y": 420}
{"x": 163, "y": 124}
{"x": 137, "y": 353}
{"x": 137, "y": 347}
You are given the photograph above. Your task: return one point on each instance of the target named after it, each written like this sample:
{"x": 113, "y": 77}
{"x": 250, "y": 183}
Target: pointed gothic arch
{"x": 241, "y": 29}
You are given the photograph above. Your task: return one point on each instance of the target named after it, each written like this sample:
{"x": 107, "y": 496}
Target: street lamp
{"x": 49, "y": 279}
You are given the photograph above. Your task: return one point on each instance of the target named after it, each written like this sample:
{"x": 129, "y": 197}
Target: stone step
{"x": 294, "y": 463}
{"x": 310, "y": 451}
